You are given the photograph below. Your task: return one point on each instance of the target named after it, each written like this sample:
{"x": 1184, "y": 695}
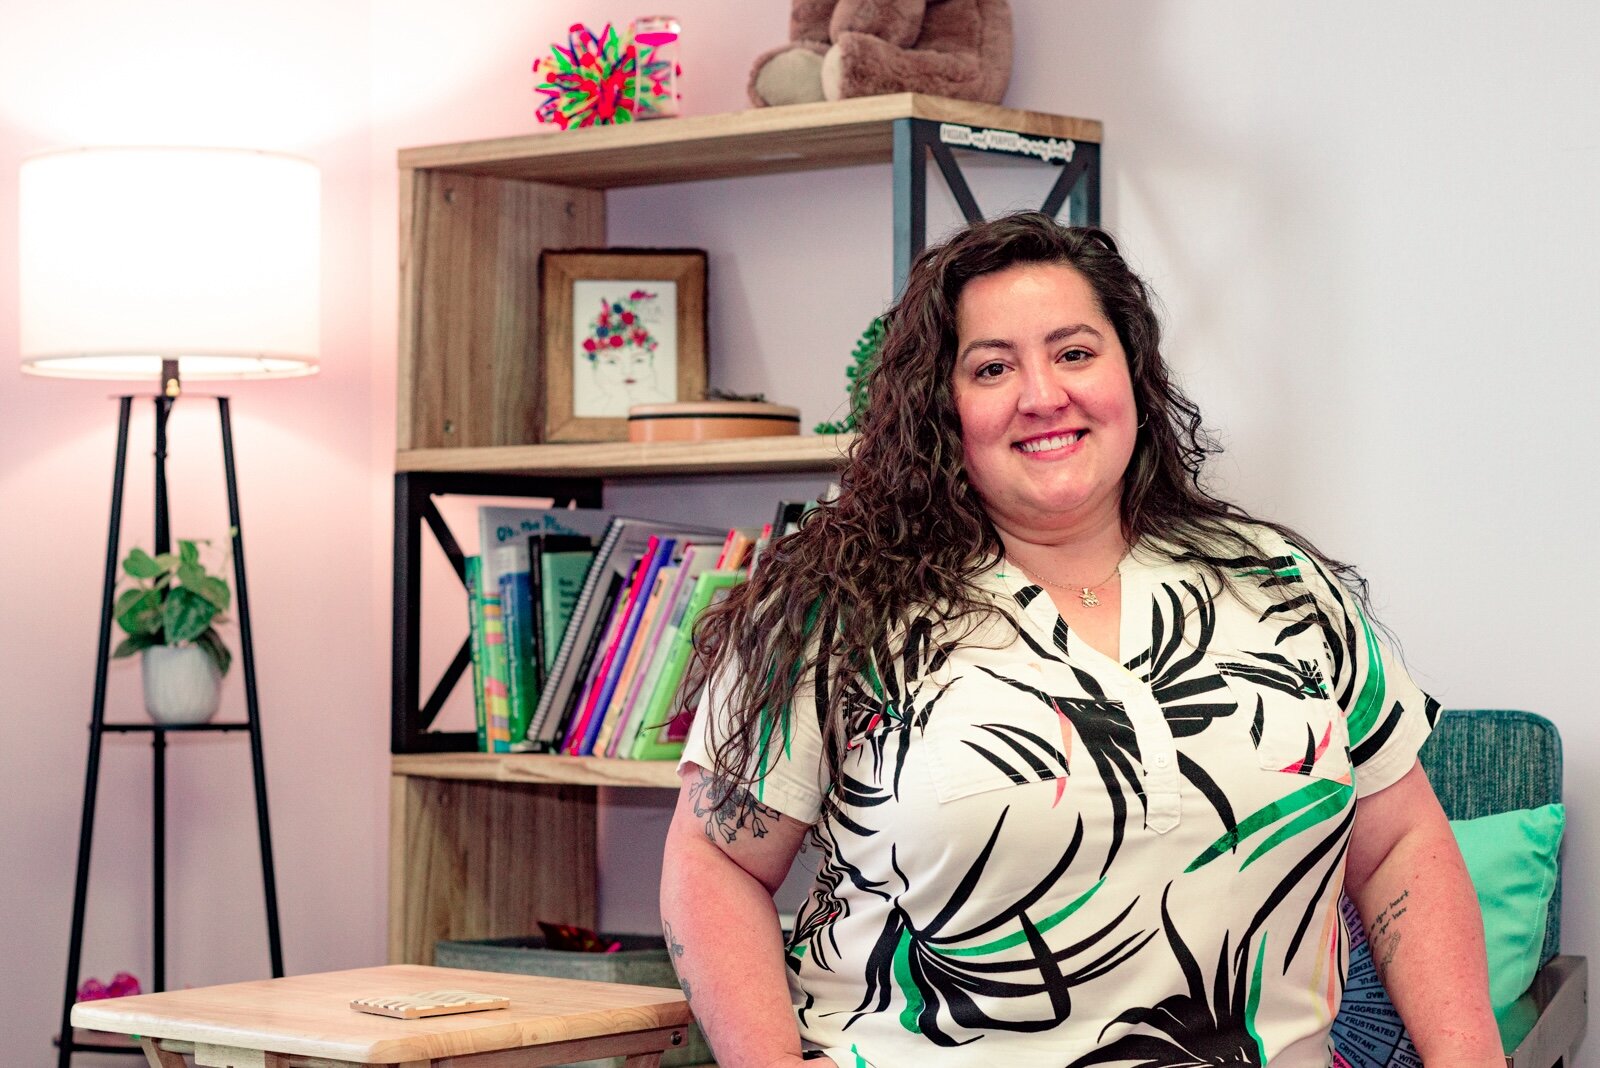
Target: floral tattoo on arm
{"x": 728, "y": 807}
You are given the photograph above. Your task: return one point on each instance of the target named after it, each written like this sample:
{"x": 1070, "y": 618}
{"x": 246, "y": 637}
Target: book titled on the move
{"x": 625, "y": 539}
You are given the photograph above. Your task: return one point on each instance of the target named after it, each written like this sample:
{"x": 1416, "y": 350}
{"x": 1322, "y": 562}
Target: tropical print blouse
{"x": 1038, "y": 857}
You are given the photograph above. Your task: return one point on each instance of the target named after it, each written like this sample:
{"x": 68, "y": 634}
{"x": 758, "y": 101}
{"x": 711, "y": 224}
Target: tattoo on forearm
{"x": 728, "y": 807}
{"x": 1386, "y": 935}
{"x": 674, "y": 951}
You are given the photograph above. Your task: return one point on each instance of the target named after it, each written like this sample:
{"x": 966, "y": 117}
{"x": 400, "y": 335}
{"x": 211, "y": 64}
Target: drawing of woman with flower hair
{"x": 618, "y": 364}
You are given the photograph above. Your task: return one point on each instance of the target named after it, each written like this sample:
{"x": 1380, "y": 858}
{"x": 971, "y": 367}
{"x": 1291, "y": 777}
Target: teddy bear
{"x": 850, "y": 48}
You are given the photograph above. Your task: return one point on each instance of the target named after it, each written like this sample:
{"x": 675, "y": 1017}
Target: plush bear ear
{"x": 788, "y": 75}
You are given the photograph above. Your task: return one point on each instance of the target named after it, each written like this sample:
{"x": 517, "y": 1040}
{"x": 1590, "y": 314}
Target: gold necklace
{"x": 1085, "y": 593}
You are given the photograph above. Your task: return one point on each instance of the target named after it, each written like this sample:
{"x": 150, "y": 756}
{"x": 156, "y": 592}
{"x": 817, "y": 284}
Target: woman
{"x": 1088, "y": 754}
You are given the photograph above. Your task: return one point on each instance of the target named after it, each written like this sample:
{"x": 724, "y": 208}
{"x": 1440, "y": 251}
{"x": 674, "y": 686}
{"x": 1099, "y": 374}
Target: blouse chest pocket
{"x": 1295, "y": 731}
{"x": 990, "y": 733}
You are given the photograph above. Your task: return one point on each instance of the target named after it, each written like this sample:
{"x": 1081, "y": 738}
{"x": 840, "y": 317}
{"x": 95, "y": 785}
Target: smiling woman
{"x": 1089, "y": 753}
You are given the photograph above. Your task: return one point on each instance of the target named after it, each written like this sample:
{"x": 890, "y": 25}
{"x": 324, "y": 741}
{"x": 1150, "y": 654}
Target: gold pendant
{"x": 1088, "y": 598}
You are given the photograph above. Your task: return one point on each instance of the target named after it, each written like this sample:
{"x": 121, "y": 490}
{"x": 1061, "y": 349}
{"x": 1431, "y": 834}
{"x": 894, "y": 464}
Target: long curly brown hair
{"x": 907, "y": 535}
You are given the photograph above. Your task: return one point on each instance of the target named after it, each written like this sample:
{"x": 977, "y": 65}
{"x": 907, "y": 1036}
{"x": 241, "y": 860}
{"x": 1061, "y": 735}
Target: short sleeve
{"x": 1387, "y": 716}
{"x": 793, "y": 774}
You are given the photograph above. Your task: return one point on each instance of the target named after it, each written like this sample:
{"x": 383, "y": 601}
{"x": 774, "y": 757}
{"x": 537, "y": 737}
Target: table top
{"x": 310, "y": 1015}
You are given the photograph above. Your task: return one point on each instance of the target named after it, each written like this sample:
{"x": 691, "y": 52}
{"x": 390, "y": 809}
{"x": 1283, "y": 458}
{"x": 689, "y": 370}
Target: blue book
{"x": 630, "y": 626}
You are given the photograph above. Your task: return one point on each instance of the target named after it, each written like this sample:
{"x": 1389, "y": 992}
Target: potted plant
{"x": 168, "y": 612}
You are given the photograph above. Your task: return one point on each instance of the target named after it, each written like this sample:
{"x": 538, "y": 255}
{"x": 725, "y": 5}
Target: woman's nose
{"x": 1042, "y": 392}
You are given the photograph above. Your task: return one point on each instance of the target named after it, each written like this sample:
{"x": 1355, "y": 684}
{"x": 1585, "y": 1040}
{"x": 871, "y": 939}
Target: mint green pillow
{"x": 1511, "y": 857}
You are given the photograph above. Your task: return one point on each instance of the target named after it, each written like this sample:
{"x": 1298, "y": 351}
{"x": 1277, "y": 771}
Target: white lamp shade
{"x": 129, "y": 256}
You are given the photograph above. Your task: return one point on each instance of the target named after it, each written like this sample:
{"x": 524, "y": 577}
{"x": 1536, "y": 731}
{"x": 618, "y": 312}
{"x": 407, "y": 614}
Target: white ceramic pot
{"x": 181, "y": 684}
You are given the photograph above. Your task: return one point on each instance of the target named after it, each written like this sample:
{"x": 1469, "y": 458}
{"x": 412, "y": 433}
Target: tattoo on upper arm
{"x": 1385, "y": 933}
{"x": 674, "y": 951}
{"x": 728, "y": 807}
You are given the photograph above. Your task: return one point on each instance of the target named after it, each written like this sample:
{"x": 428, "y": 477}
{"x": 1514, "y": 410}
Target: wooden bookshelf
{"x": 619, "y": 459}
{"x": 537, "y": 768}
{"x": 481, "y": 845}
{"x": 843, "y": 133}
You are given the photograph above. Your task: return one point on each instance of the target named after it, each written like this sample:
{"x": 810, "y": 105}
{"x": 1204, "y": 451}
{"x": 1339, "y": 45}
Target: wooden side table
{"x": 305, "y": 1021}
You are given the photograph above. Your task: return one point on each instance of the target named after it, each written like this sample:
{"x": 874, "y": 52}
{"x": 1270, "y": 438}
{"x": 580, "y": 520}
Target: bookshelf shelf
{"x": 482, "y": 845}
{"x": 802, "y": 137}
{"x": 536, "y": 768}
{"x": 620, "y": 459}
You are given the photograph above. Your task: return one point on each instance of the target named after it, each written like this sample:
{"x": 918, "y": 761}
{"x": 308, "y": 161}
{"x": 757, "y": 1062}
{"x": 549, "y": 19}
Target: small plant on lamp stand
{"x": 168, "y": 612}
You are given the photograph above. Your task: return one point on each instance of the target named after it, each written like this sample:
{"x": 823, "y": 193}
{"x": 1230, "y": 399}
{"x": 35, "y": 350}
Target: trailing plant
{"x": 861, "y": 358}
{"x": 172, "y": 600}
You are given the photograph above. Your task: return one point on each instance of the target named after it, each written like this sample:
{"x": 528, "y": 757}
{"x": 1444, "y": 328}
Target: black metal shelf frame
{"x": 1076, "y": 190}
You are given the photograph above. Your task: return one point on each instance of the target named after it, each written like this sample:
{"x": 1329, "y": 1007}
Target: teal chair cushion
{"x": 1511, "y": 857}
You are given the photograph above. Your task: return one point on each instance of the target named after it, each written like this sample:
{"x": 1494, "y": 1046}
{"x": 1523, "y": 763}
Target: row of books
{"x": 582, "y": 625}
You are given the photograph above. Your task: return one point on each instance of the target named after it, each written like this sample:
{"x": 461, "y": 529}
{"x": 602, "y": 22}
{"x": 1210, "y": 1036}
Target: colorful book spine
{"x": 697, "y": 560}
{"x": 610, "y": 729}
{"x": 516, "y": 610}
{"x": 496, "y": 695}
{"x": 588, "y": 661}
{"x": 480, "y": 662}
{"x": 653, "y": 741}
{"x": 658, "y": 550}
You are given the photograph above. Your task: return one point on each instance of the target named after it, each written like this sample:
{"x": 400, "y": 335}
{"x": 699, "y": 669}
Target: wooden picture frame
{"x": 618, "y": 327}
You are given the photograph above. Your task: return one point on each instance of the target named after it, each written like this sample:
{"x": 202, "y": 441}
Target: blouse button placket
{"x": 1157, "y": 752}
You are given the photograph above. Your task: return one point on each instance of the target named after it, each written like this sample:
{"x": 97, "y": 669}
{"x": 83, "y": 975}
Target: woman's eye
{"x": 1075, "y": 355}
{"x": 989, "y": 370}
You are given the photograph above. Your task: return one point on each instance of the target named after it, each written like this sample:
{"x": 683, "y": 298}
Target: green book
{"x": 563, "y": 563}
{"x": 474, "y": 580}
{"x": 652, "y": 742}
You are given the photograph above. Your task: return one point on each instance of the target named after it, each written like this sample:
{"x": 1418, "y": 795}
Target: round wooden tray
{"x": 710, "y": 420}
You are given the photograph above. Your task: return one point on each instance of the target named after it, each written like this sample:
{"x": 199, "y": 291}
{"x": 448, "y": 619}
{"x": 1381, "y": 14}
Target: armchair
{"x": 1485, "y": 761}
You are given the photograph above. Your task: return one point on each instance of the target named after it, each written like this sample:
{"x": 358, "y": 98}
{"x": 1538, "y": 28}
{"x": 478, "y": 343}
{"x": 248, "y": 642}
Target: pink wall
{"x": 292, "y": 76}
{"x": 1396, "y": 371}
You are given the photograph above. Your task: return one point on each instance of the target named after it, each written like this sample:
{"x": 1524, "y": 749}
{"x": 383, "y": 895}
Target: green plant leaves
{"x": 173, "y": 601}
{"x": 211, "y": 642}
{"x": 134, "y": 643}
{"x": 213, "y": 590}
{"x": 138, "y": 612}
{"x": 185, "y": 615}
{"x": 141, "y": 564}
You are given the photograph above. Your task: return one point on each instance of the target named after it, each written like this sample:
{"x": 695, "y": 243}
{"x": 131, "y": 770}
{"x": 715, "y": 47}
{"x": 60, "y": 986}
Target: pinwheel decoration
{"x": 591, "y": 82}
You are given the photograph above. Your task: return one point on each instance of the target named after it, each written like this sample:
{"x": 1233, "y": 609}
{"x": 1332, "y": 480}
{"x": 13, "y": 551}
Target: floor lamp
{"x": 167, "y": 266}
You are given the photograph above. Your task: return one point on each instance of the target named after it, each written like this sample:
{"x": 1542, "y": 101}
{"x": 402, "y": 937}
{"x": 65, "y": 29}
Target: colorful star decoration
{"x": 591, "y": 82}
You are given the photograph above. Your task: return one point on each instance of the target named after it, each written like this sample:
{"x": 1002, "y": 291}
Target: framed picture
{"x": 618, "y": 327}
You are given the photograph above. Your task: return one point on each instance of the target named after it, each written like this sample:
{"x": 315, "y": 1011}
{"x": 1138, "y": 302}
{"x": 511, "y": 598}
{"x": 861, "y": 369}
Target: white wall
{"x": 1369, "y": 224}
